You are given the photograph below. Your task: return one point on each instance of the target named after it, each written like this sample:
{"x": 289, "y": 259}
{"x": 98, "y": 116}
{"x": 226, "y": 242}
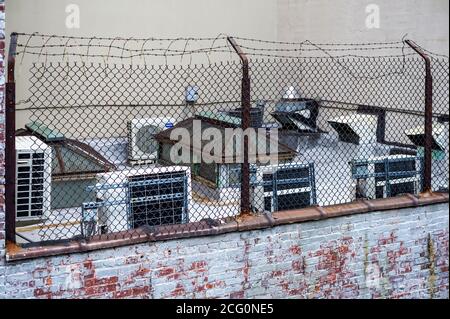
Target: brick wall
{"x": 2, "y": 133}
{"x": 392, "y": 254}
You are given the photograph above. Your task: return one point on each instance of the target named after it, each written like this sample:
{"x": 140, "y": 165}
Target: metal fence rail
{"x": 113, "y": 136}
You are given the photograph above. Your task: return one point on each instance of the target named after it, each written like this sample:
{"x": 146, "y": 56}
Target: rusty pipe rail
{"x": 10, "y": 144}
{"x": 428, "y": 115}
{"x": 246, "y": 104}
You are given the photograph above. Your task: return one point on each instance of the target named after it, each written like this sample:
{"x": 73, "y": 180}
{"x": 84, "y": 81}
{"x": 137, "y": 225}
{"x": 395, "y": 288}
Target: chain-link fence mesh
{"x": 117, "y": 136}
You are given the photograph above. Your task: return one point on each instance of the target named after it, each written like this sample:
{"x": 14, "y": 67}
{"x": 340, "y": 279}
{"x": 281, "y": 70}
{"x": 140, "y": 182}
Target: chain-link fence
{"x": 116, "y": 136}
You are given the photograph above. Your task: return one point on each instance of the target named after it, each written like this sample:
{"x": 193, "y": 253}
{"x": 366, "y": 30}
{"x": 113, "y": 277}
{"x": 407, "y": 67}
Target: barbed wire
{"x": 88, "y": 47}
{"x": 37, "y": 34}
{"x": 321, "y": 44}
{"x": 130, "y": 56}
{"x": 65, "y": 47}
{"x": 164, "y": 47}
{"x": 84, "y": 48}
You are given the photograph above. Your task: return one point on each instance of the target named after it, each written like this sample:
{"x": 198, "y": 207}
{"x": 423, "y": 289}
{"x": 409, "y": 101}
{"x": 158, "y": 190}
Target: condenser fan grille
{"x": 145, "y": 139}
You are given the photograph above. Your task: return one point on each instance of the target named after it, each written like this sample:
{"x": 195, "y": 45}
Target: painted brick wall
{"x": 394, "y": 254}
{"x": 2, "y": 134}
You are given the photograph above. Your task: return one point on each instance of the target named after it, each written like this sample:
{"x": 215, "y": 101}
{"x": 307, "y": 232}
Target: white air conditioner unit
{"x": 283, "y": 187}
{"x": 387, "y": 176}
{"x": 112, "y": 202}
{"x": 33, "y": 178}
{"x": 148, "y": 196}
{"x": 141, "y": 143}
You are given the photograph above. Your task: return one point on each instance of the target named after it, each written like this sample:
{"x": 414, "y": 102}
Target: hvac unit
{"x": 111, "y": 207}
{"x": 133, "y": 198}
{"x": 387, "y": 176}
{"x": 283, "y": 187}
{"x": 439, "y": 154}
{"x": 33, "y": 176}
{"x": 141, "y": 143}
{"x": 159, "y": 198}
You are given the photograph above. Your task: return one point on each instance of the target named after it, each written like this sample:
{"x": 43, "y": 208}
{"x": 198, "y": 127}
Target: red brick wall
{"x": 2, "y": 127}
{"x": 391, "y": 254}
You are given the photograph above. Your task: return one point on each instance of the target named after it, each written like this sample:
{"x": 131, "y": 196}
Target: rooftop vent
{"x": 298, "y": 115}
{"x": 256, "y": 114}
{"x": 440, "y": 140}
{"x": 291, "y": 93}
{"x": 356, "y": 128}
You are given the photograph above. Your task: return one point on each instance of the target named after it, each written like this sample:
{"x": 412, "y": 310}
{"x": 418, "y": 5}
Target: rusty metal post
{"x": 428, "y": 116}
{"x": 246, "y": 105}
{"x": 10, "y": 145}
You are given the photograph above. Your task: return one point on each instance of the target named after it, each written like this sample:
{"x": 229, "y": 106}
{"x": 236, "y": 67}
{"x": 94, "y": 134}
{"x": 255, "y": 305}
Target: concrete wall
{"x": 141, "y": 18}
{"x": 392, "y": 254}
{"x": 425, "y": 21}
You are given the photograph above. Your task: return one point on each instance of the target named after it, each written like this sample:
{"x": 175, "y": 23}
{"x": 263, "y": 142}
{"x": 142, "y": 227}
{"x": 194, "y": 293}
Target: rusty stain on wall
{"x": 431, "y": 258}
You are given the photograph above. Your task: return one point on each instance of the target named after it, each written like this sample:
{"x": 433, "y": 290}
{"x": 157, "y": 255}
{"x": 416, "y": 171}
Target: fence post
{"x": 10, "y": 144}
{"x": 428, "y": 116}
{"x": 246, "y": 104}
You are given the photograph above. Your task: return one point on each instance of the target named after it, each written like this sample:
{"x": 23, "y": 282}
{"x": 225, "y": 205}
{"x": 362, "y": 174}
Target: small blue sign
{"x": 169, "y": 125}
{"x": 191, "y": 94}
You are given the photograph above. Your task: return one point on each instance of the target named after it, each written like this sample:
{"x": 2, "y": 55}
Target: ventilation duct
{"x": 357, "y": 129}
{"x": 298, "y": 115}
{"x": 440, "y": 139}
